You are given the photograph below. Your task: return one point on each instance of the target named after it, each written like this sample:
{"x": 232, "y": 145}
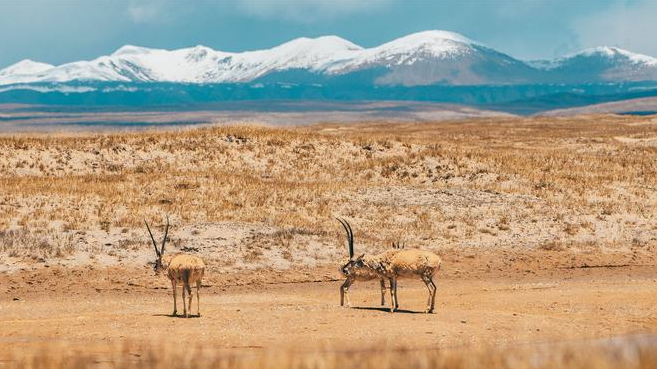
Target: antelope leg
{"x": 198, "y": 299}
{"x": 183, "y": 301}
{"x": 433, "y": 297}
{"x": 344, "y": 292}
{"x": 173, "y": 287}
{"x": 425, "y": 279}
{"x": 189, "y": 297}
{"x": 393, "y": 295}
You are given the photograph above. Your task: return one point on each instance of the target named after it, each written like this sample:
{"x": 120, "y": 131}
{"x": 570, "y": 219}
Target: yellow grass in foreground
{"x": 639, "y": 352}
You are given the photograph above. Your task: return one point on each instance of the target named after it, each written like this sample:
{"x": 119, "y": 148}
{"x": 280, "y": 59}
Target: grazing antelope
{"x": 357, "y": 274}
{"x": 184, "y": 268}
{"x": 392, "y": 265}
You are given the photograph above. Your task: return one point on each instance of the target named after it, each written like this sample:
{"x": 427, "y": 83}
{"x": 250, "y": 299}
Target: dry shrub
{"x": 301, "y": 177}
{"x": 552, "y": 246}
{"x": 503, "y": 223}
{"x": 571, "y": 229}
{"x": 38, "y": 245}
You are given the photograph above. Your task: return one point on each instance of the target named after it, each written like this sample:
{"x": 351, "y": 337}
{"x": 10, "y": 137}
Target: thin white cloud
{"x": 147, "y": 11}
{"x": 628, "y": 25}
{"x": 307, "y": 11}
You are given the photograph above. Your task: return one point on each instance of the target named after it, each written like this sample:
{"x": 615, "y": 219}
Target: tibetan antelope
{"x": 356, "y": 274}
{"x": 181, "y": 268}
{"x": 395, "y": 264}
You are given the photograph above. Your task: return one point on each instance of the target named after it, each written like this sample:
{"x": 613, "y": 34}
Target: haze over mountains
{"x": 420, "y": 59}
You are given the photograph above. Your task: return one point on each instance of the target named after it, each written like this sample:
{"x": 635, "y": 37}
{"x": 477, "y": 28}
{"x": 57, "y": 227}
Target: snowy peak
{"x": 422, "y": 58}
{"x": 432, "y": 37}
{"x": 132, "y": 50}
{"x": 200, "y": 53}
{"x": 611, "y": 56}
{"x": 617, "y": 53}
{"x": 327, "y": 43}
{"x": 25, "y": 66}
{"x": 301, "y": 53}
{"x": 435, "y": 43}
{"x": 408, "y": 50}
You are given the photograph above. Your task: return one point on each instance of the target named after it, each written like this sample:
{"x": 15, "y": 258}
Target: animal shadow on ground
{"x": 177, "y": 316}
{"x": 387, "y": 310}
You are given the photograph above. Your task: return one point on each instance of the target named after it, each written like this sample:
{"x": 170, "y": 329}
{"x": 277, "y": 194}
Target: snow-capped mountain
{"x": 407, "y": 50}
{"x": 424, "y": 58}
{"x": 600, "y": 64}
{"x": 198, "y": 64}
{"x": 26, "y": 68}
{"x": 432, "y": 57}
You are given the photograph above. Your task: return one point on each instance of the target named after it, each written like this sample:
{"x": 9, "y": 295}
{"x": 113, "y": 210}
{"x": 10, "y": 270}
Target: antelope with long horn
{"x": 392, "y": 265}
{"x": 356, "y": 274}
{"x": 180, "y": 268}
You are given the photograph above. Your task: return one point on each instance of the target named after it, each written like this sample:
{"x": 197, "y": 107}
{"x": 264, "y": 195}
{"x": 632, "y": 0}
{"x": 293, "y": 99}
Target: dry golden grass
{"x": 626, "y": 353}
{"x": 485, "y": 182}
{"x": 36, "y": 245}
{"x": 505, "y": 194}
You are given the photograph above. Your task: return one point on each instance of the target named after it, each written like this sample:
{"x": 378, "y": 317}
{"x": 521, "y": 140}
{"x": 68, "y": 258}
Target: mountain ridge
{"x": 431, "y": 57}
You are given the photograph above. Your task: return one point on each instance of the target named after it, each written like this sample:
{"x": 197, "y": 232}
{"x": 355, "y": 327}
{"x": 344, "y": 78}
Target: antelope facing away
{"x": 392, "y": 265}
{"x": 180, "y": 268}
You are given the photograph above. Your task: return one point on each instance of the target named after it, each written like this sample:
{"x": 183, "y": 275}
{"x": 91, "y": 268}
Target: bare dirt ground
{"x": 95, "y": 308}
{"x": 546, "y": 226}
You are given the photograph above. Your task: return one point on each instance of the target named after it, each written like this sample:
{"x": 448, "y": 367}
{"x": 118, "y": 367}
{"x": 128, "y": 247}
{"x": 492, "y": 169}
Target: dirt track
{"x": 579, "y": 303}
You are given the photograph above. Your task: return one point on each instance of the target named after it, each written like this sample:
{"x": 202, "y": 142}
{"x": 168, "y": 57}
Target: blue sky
{"x": 58, "y": 31}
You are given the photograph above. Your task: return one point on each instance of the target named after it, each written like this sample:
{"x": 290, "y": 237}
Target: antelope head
{"x": 355, "y": 263}
{"x": 158, "y": 253}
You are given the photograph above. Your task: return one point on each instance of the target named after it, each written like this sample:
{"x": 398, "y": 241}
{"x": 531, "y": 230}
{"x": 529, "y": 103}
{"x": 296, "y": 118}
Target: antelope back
{"x": 414, "y": 262}
{"x": 186, "y": 268}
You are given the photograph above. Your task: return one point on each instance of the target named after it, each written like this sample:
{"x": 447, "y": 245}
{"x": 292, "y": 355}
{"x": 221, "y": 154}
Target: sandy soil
{"x": 92, "y": 308}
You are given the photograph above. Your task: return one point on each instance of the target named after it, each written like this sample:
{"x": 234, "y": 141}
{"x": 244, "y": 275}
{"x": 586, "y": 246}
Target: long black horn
{"x": 166, "y": 233}
{"x": 157, "y": 252}
{"x": 349, "y": 237}
{"x": 351, "y": 240}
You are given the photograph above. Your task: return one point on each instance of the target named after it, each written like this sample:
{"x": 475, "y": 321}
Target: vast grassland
{"x": 537, "y": 183}
{"x": 518, "y": 206}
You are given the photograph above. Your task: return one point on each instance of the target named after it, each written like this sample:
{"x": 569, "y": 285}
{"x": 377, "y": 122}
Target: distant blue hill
{"x": 522, "y": 99}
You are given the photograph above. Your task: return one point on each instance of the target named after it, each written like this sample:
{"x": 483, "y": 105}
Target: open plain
{"x": 547, "y": 228}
